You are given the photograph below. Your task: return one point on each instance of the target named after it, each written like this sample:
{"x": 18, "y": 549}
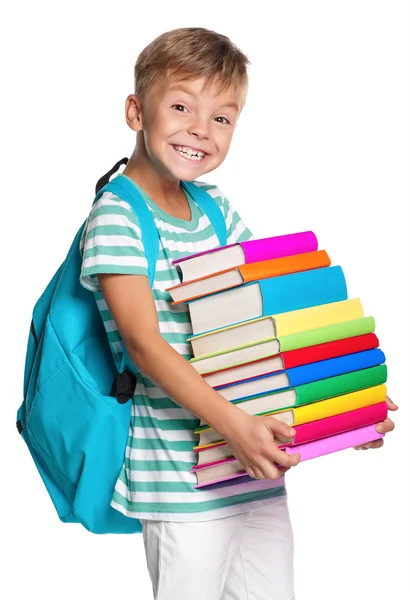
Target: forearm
{"x": 181, "y": 382}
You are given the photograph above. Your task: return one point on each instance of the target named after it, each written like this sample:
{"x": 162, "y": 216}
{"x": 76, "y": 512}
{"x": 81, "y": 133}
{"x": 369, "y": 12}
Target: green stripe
{"x": 165, "y": 424}
{"x": 194, "y": 507}
{"x": 113, "y": 230}
{"x": 114, "y": 251}
{"x": 159, "y": 465}
{"x": 159, "y": 444}
{"x": 114, "y": 269}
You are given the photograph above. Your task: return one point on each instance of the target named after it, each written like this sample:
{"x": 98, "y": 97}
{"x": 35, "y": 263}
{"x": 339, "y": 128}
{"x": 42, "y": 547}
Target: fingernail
{"x": 379, "y": 428}
{"x": 291, "y": 432}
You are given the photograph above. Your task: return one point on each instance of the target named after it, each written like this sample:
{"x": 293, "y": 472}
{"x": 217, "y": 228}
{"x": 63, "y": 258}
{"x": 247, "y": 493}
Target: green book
{"x": 311, "y": 392}
{"x": 240, "y": 355}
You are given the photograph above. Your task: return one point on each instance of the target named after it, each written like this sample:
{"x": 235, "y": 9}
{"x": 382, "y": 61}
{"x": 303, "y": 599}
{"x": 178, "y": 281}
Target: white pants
{"x": 243, "y": 557}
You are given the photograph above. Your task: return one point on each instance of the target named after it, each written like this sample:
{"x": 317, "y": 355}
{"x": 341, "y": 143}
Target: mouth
{"x": 190, "y": 154}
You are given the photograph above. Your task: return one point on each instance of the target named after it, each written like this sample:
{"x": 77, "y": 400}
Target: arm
{"x": 131, "y": 303}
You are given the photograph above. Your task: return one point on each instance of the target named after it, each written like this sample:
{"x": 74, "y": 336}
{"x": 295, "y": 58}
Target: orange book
{"x": 229, "y": 278}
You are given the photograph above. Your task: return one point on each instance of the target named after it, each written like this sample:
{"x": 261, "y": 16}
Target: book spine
{"x": 282, "y": 245}
{"x": 334, "y": 443}
{"x": 340, "y": 385}
{"x": 368, "y": 415}
{"x": 339, "y": 404}
{"x": 334, "y": 367}
{"x": 328, "y": 333}
{"x": 320, "y": 352}
{"x": 302, "y": 290}
{"x": 284, "y": 266}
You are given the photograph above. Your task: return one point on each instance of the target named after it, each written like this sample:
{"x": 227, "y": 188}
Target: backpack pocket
{"x": 81, "y": 437}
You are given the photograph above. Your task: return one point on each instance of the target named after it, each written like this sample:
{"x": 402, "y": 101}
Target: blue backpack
{"x": 77, "y": 407}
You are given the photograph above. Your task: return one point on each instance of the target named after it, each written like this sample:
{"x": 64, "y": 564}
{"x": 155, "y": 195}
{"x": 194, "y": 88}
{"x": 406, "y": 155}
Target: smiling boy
{"x": 232, "y": 539}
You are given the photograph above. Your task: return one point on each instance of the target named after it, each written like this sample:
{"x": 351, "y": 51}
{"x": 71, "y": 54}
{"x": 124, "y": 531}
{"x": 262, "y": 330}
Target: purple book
{"x": 225, "y": 257}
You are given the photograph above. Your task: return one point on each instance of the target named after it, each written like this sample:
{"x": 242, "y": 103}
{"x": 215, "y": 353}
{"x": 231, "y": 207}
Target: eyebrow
{"x": 182, "y": 88}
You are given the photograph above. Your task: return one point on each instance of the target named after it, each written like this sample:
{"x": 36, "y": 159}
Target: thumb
{"x": 279, "y": 427}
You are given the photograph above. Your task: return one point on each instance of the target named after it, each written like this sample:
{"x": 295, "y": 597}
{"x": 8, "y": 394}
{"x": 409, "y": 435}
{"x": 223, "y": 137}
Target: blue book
{"x": 300, "y": 375}
{"x": 265, "y": 297}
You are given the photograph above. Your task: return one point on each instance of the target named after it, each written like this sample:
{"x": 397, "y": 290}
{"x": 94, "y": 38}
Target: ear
{"x": 133, "y": 112}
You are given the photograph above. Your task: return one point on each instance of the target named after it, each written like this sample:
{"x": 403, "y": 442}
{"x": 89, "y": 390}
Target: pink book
{"x": 334, "y": 443}
{"x": 309, "y": 450}
{"x": 205, "y": 263}
{"x": 308, "y": 432}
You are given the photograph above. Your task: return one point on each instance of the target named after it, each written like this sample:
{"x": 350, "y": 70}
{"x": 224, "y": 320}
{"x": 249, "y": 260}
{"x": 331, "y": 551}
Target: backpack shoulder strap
{"x": 124, "y": 189}
{"x": 208, "y": 205}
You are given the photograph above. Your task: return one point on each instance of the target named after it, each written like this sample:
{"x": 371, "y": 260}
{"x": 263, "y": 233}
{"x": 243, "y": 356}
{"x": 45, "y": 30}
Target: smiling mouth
{"x": 190, "y": 154}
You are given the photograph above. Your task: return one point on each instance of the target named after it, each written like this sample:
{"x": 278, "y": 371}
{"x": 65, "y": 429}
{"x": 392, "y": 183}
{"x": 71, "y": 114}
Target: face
{"x": 187, "y": 128}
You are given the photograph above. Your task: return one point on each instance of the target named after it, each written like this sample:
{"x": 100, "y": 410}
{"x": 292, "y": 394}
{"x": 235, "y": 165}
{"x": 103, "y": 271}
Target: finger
{"x": 390, "y": 404}
{"x": 375, "y": 444}
{"x": 283, "y": 458}
{"x": 385, "y": 426}
{"x": 278, "y": 427}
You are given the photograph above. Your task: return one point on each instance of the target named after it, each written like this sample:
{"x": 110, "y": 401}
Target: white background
{"x": 322, "y": 144}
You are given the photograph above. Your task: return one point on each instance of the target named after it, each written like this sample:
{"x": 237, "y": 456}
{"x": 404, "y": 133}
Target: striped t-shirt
{"x": 155, "y": 481}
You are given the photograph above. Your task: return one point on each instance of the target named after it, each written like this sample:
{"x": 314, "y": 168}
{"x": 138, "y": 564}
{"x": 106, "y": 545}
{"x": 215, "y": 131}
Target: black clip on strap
{"x": 123, "y": 387}
{"x": 106, "y": 178}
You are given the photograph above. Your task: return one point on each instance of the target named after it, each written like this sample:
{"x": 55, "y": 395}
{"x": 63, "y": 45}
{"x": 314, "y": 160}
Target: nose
{"x": 198, "y": 128}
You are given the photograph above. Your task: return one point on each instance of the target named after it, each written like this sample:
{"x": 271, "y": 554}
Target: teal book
{"x": 266, "y": 297}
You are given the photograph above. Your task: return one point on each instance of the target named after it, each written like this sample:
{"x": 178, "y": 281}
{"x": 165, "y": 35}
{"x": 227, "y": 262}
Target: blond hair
{"x": 191, "y": 53}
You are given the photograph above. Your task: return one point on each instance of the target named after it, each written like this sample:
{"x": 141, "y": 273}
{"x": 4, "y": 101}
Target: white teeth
{"x": 189, "y": 152}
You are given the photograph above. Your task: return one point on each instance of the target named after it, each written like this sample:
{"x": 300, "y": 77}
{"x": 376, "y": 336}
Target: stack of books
{"x": 275, "y": 333}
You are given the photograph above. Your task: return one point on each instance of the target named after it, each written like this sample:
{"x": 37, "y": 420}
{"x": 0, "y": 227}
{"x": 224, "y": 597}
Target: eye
{"x": 228, "y": 122}
{"x": 179, "y": 106}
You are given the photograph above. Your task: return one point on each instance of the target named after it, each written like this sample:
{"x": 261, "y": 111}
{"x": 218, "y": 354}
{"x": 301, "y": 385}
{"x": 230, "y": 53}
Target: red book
{"x": 296, "y": 358}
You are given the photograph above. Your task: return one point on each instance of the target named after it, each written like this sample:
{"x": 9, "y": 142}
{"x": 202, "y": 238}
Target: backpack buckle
{"x": 123, "y": 387}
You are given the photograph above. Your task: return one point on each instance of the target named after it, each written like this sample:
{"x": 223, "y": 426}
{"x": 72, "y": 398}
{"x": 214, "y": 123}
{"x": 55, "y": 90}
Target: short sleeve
{"x": 111, "y": 242}
{"x": 236, "y": 229}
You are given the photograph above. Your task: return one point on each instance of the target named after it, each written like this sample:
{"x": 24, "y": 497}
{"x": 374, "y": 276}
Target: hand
{"x": 383, "y": 427}
{"x": 251, "y": 440}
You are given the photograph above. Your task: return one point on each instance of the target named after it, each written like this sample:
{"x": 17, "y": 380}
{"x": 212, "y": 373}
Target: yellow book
{"x": 273, "y": 326}
{"x": 309, "y": 412}
{"x": 332, "y": 406}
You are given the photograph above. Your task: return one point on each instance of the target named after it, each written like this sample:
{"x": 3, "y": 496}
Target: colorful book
{"x": 231, "y": 467}
{"x": 225, "y": 257}
{"x": 306, "y": 403}
{"x": 292, "y": 358}
{"x": 230, "y": 278}
{"x": 277, "y": 326}
{"x": 298, "y": 376}
{"x": 266, "y": 297}
{"x": 308, "y": 432}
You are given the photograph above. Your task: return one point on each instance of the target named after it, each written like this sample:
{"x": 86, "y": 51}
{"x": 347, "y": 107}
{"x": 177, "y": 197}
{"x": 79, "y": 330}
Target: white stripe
{"x": 109, "y": 199}
{"x": 167, "y": 435}
{"x": 203, "y": 223}
{"x": 110, "y": 325}
{"x": 152, "y": 476}
{"x": 197, "y": 496}
{"x": 239, "y": 229}
{"x": 114, "y": 241}
{"x": 121, "y": 261}
{"x": 143, "y": 454}
{"x": 173, "y": 327}
{"x": 102, "y": 305}
{"x": 164, "y": 414}
{"x": 117, "y": 347}
{"x": 164, "y": 305}
{"x": 207, "y": 515}
{"x": 110, "y": 219}
{"x": 166, "y": 327}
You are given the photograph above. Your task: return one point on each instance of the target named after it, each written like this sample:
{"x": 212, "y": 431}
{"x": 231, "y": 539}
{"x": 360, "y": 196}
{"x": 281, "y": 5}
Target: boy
{"x": 231, "y": 540}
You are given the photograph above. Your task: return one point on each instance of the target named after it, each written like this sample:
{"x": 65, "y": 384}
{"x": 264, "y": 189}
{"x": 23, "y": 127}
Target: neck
{"x": 141, "y": 170}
